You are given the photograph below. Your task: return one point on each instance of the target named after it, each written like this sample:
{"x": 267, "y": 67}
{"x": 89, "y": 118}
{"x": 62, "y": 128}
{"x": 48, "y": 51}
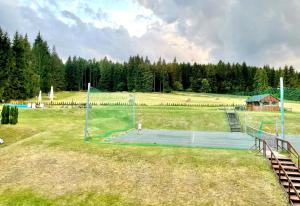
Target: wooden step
{"x": 292, "y": 191}
{"x": 281, "y": 158}
{"x": 289, "y": 173}
{"x": 283, "y": 162}
{"x": 286, "y": 184}
{"x": 286, "y": 167}
{"x": 293, "y": 179}
{"x": 295, "y": 198}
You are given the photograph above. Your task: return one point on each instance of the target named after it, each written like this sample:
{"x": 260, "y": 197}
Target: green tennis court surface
{"x": 188, "y": 138}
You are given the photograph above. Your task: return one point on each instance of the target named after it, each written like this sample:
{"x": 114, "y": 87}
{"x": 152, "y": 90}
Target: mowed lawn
{"x": 148, "y": 98}
{"x": 51, "y": 165}
{"x": 201, "y": 118}
{"x": 46, "y": 162}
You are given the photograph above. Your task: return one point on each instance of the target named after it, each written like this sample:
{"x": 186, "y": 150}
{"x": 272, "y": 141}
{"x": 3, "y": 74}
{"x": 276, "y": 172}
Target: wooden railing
{"x": 286, "y": 146}
{"x": 265, "y": 147}
{"x": 276, "y": 143}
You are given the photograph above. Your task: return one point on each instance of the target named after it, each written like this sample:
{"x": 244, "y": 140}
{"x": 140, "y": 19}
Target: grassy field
{"x": 46, "y": 162}
{"x": 191, "y": 118}
{"x": 149, "y": 98}
{"x": 53, "y": 166}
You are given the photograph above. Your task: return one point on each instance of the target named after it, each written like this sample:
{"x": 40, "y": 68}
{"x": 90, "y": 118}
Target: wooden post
{"x": 264, "y": 149}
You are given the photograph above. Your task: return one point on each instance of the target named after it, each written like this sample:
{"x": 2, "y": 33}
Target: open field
{"x": 53, "y": 166}
{"x": 46, "y": 162}
{"x": 149, "y": 98}
{"x": 159, "y": 98}
{"x": 188, "y": 118}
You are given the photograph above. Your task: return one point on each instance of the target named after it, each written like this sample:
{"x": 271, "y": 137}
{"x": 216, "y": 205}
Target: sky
{"x": 257, "y": 32}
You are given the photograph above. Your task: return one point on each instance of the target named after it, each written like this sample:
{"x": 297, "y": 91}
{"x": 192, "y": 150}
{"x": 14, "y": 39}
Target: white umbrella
{"x": 40, "y": 97}
{"x": 51, "y": 94}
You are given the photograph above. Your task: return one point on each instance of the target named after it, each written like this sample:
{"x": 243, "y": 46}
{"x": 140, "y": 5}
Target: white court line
{"x": 193, "y": 139}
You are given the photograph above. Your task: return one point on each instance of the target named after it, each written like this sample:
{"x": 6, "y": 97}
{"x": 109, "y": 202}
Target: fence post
{"x": 289, "y": 149}
{"x": 264, "y": 148}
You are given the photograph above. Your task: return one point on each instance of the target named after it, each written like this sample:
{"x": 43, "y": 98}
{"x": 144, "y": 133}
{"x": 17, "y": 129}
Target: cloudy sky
{"x": 255, "y": 31}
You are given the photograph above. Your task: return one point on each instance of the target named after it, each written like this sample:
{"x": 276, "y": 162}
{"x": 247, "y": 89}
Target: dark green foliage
{"x": 205, "y": 86}
{"x": 261, "y": 81}
{"x": 13, "y": 115}
{"x": 9, "y": 115}
{"x": 5, "y": 114}
{"x": 42, "y": 63}
{"x": 25, "y": 70}
{"x": 5, "y": 64}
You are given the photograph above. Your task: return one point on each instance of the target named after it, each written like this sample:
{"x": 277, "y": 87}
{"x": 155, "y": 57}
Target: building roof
{"x": 258, "y": 98}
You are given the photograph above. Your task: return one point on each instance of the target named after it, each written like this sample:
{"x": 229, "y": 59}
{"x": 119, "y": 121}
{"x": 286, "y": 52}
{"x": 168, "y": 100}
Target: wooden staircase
{"x": 233, "y": 120}
{"x": 286, "y": 170}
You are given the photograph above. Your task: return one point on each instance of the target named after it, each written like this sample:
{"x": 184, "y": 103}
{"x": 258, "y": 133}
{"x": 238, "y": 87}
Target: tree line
{"x": 25, "y": 69}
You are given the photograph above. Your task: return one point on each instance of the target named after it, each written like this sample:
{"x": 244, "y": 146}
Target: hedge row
{"x": 9, "y": 115}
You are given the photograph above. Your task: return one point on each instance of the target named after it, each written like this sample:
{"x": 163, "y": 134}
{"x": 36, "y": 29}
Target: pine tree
{"x": 5, "y": 65}
{"x": 106, "y": 82}
{"x": 18, "y": 81}
{"x": 32, "y": 78}
{"x": 205, "y": 86}
{"x": 42, "y": 59}
{"x": 261, "y": 80}
{"x": 57, "y": 72}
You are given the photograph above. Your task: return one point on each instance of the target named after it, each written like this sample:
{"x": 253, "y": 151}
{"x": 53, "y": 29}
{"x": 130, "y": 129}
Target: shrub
{"x": 13, "y": 117}
{"x": 5, "y": 114}
{"x": 178, "y": 86}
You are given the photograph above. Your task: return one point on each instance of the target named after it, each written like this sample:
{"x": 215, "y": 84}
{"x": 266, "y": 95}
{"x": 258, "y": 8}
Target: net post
{"x": 87, "y": 112}
{"x": 133, "y": 112}
{"x": 282, "y": 106}
{"x": 245, "y": 121}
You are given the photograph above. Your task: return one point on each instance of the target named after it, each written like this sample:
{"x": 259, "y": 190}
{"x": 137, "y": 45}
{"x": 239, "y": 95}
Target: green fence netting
{"x": 106, "y": 117}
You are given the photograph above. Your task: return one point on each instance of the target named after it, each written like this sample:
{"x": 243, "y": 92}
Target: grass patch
{"x": 46, "y": 162}
{"x": 255, "y": 118}
{"x": 138, "y": 175}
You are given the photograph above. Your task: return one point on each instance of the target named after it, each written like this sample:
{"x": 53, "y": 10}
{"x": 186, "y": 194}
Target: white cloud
{"x": 258, "y": 32}
{"x": 72, "y": 35}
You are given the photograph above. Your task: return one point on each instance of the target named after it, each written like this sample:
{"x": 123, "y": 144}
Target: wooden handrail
{"x": 280, "y": 167}
{"x": 290, "y": 149}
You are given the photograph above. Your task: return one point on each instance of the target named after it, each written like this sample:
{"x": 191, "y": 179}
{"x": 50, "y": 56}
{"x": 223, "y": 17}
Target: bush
{"x": 13, "y": 117}
{"x": 168, "y": 90}
{"x": 5, "y": 115}
{"x": 189, "y": 90}
{"x": 178, "y": 86}
{"x": 9, "y": 115}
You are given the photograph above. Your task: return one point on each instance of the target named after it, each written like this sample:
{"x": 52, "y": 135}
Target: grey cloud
{"x": 142, "y": 17}
{"x": 100, "y": 14}
{"x": 255, "y": 31}
{"x": 80, "y": 39}
{"x": 72, "y": 16}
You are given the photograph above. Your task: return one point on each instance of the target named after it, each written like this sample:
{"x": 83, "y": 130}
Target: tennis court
{"x": 228, "y": 140}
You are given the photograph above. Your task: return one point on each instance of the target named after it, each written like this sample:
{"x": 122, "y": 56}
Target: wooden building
{"x": 263, "y": 102}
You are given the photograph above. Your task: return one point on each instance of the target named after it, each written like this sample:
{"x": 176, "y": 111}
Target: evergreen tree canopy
{"x": 24, "y": 70}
